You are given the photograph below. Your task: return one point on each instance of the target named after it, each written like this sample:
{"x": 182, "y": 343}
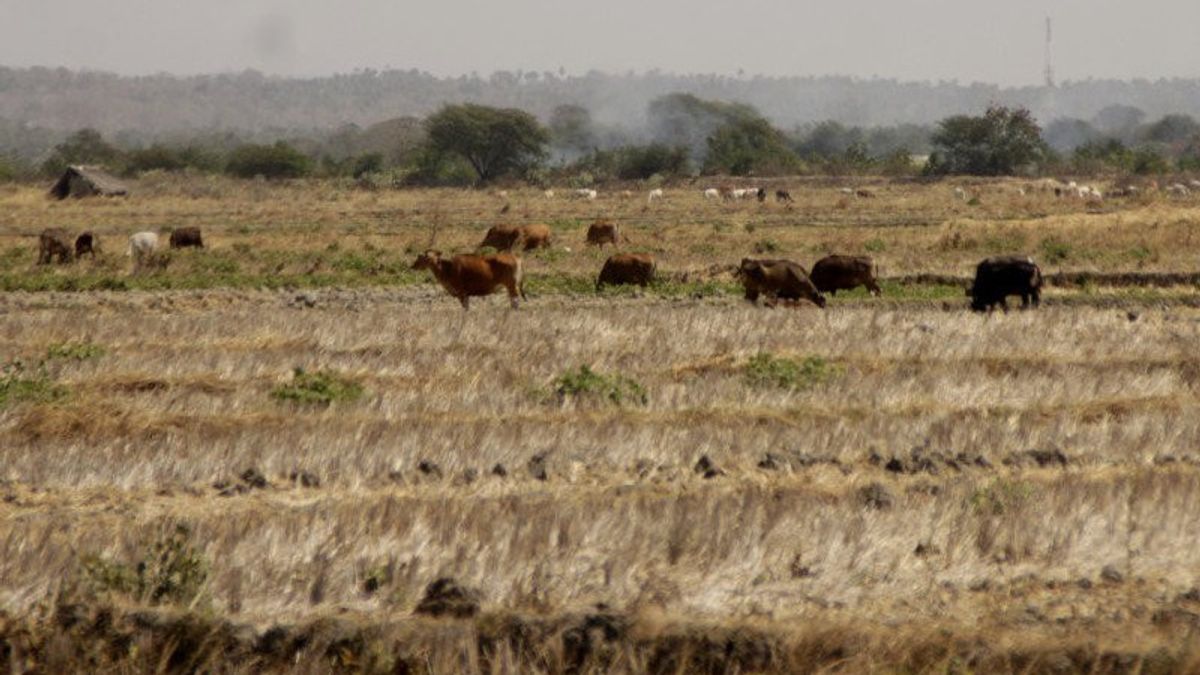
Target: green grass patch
{"x": 1055, "y": 250}
{"x": 766, "y": 370}
{"x": 171, "y": 571}
{"x": 876, "y": 245}
{"x": 322, "y": 387}
{"x": 19, "y": 385}
{"x": 74, "y": 351}
{"x": 1001, "y": 496}
{"x": 585, "y": 384}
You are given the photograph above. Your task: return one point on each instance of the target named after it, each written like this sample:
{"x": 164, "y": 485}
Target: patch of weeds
{"x": 171, "y": 571}
{"x": 767, "y": 370}
{"x": 550, "y": 255}
{"x": 583, "y": 382}
{"x": 74, "y": 351}
{"x": 1001, "y": 496}
{"x": 974, "y": 201}
{"x": 875, "y": 245}
{"x": 766, "y": 246}
{"x": 18, "y": 385}
{"x": 1141, "y": 253}
{"x": 320, "y": 388}
{"x": 1055, "y": 250}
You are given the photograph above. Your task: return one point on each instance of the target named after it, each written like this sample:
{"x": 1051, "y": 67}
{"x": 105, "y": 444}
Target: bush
{"x": 164, "y": 158}
{"x": 645, "y": 161}
{"x": 1001, "y": 142}
{"x": 270, "y": 161}
{"x": 319, "y": 388}
{"x": 74, "y": 351}
{"x": 170, "y": 572}
{"x": 19, "y": 386}
{"x": 767, "y": 370}
{"x": 585, "y": 383}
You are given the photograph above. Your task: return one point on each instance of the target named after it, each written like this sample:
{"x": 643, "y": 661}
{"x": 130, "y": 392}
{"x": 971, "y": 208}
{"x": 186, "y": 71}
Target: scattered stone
{"x": 537, "y": 467}
{"x": 470, "y": 475}
{"x": 771, "y": 462}
{"x": 1040, "y": 458}
{"x": 1191, "y": 595}
{"x": 396, "y": 476}
{"x": 1132, "y": 316}
{"x": 305, "y": 479}
{"x": 227, "y": 488}
{"x": 305, "y": 300}
{"x": 707, "y": 468}
{"x": 254, "y": 479}
{"x": 924, "y": 549}
{"x": 1111, "y": 574}
{"x": 877, "y": 497}
{"x": 430, "y": 469}
{"x": 1084, "y": 583}
{"x": 446, "y": 597}
{"x": 799, "y": 570}
{"x": 980, "y": 586}
{"x": 499, "y": 471}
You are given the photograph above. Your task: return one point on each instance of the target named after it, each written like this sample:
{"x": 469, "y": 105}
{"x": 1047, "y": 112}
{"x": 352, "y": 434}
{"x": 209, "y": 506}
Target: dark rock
{"x": 1111, "y": 574}
{"x": 253, "y": 478}
{"x": 876, "y": 496}
{"x": 305, "y": 479}
{"x": 537, "y": 467}
{"x": 707, "y": 468}
{"x": 1084, "y": 583}
{"x": 429, "y": 468}
{"x": 1191, "y": 595}
{"x": 1040, "y": 458}
{"x": 980, "y": 586}
{"x": 771, "y": 462}
{"x": 926, "y": 549}
{"x": 499, "y": 471}
{"x": 470, "y": 475}
{"x": 1132, "y": 316}
{"x": 446, "y": 597}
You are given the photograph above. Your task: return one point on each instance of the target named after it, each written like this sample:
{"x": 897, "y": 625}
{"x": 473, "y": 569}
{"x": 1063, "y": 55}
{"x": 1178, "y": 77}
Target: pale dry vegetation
{"x": 880, "y": 486}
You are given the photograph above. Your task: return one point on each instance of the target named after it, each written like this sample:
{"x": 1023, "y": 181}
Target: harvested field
{"x": 668, "y": 481}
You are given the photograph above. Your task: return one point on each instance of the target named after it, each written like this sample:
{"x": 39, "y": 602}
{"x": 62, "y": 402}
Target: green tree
{"x": 749, "y": 147}
{"x": 270, "y": 161}
{"x": 1172, "y": 129}
{"x": 494, "y": 141}
{"x": 85, "y": 146}
{"x": 1001, "y": 142}
{"x": 643, "y": 161}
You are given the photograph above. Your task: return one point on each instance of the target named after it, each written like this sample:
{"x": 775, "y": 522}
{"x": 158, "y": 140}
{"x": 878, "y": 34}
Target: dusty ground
{"x": 897, "y": 483}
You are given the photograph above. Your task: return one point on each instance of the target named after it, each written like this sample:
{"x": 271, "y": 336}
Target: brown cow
{"x": 469, "y": 275}
{"x": 627, "y": 268}
{"x": 86, "y": 242}
{"x": 603, "y": 232}
{"x": 507, "y": 237}
{"x": 777, "y": 279}
{"x": 186, "y": 237}
{"x": 834, "y": 273}
{"x": 782, "y": 196}
{"x": 54, "y": 242}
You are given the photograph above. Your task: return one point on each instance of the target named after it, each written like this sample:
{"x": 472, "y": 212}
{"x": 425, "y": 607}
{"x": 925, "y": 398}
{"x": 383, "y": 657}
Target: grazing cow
{"x": 548, "y": 194}
{"x": 535, "y": 236}
{"x": 777, "y": 279}
{"x": 142, "y": 247}
{"x": 834, "y": 273}
{"x": 761, "y": 195}
{"x": 627, "y": 268}
{"x": 186, "y": 237}
{"x": 739, "y": 193}
{"x": 507, "y": 237}
{"x": 656, "y": 193}
{"x": 585, "y": 193}
{"x": 1194, "y": 183}
{"x": 865, "y": 194}
{"x": 54, "y": 242}
{"x": 847, "y": 191}
{"x": 999, "y": 277}
{"x": 467, "y": 275}
{"x": 960, "y": 194}
{"x": 782, "y": 196}
{"x": 1178, "y": 190}
{"x": 712, "y": 193}
{"x": 86, "y": 243}
{"x": 603, "y": 232}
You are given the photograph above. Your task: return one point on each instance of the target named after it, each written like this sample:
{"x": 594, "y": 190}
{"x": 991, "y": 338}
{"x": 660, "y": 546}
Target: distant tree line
{"x": 684, "y": 135}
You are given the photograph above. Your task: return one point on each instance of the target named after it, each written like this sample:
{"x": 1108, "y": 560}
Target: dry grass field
{"x": 260, "y": 457}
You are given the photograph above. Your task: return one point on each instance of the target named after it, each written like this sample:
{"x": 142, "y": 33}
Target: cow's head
{"x": 427, "y": 260}
{"x": 820, "y": 300}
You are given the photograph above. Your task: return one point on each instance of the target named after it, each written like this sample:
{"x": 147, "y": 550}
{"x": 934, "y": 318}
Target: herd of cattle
{"x": 477, "y": 274}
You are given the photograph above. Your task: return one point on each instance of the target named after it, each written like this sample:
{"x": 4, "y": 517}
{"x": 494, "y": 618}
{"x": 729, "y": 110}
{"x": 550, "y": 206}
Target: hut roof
{"x": 81, "y": 181}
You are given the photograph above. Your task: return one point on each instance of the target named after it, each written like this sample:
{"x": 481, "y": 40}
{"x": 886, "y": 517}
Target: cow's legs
{"x": 466, "y": 302}
{"x": 514, "y": 292}
{"x": 874, "y": 288}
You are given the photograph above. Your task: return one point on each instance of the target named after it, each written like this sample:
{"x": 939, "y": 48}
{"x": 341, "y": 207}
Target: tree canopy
{"x": 494, "y": 141}
{"x": 1000, "y": 142}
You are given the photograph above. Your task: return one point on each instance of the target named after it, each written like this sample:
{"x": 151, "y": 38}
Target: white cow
{"x": 960, "y": 194}
{"x": 712, "y": 193}
{"x": 548, "y": 194}
{"x": 1178, "y": 189}
{"x": 656, "y": 193}
{"x": 141, "y": 248}
{"x": 584, "y": 193}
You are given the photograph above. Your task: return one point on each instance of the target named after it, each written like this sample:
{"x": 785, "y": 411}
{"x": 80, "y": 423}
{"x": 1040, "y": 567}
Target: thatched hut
{"x": 86, "y": 181}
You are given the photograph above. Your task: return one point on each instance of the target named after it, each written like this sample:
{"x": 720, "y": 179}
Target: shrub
{"x": 1055, "y": 250}
{"x": 1001, "y": 142}
{"x": 767, "y": 370}
{"x": 74, "y": 351}
{"x": 319, "y": 388}
{"x": 1001, "y": 496}
{"x": 610, "y": 388}
{"x": 270, "y": 161}
{"x": 18, "y": 386}
{"x": 171, "y": 571}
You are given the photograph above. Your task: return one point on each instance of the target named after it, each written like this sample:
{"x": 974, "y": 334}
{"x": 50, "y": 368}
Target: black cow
{"x": 999, "y": 277}
{"x": 185, "y": 237}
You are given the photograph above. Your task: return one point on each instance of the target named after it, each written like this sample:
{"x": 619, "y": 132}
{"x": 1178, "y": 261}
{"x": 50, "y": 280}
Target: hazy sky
{"x": 970, "y": 40}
